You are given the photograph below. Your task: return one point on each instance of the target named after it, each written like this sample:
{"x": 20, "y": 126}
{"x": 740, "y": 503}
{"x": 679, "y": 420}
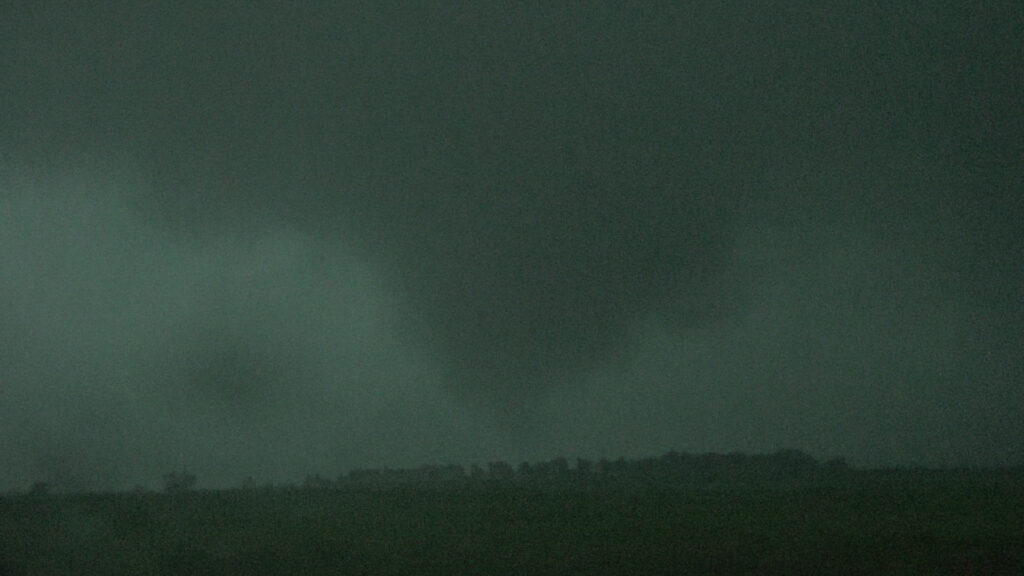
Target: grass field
{"x": 876, "y": 525}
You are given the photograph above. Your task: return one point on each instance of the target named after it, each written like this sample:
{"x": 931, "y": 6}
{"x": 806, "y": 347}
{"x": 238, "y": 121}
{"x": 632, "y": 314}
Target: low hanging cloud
{"x": 254, "y": 351}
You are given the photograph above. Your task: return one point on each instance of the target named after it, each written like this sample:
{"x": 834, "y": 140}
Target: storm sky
{"x": 266, "y": 240}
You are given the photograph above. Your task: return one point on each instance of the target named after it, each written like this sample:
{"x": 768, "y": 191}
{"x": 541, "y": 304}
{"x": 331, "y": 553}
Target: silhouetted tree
{"x": 584, "y": 466}
{"x": 178, "y": 482}
{"x": 524, "y": 469}
{"x": 792, "y": 460}
{"x": 364, "y": 475}
{"x": 39, "y": 489}
{"x": 837, "y": 465}
{"x": 316, "y": 482}
{"x": 559, "y": 466}
{"x": 476, "y": 472}
{"x": 500, "y": 470}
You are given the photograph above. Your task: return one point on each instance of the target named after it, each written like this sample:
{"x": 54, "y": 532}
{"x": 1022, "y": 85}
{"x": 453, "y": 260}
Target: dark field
{"x": 875, "y": 523}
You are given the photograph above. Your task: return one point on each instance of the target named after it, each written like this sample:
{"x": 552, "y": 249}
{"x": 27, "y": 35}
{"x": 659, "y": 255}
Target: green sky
{"x": 262, "y": 240}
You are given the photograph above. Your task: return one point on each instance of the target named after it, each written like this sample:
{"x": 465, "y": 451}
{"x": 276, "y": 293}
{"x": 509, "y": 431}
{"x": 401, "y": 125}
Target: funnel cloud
{"x": 255, "y": 242}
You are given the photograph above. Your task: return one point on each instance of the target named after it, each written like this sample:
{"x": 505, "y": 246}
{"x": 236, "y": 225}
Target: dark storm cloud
{"x": 128, "y": 350}
{"x": 605, "y": 228}
{"x": 527, "y": 188}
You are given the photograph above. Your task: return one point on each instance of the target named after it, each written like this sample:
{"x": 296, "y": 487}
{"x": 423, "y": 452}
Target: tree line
{"x": 671, "y": 469}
